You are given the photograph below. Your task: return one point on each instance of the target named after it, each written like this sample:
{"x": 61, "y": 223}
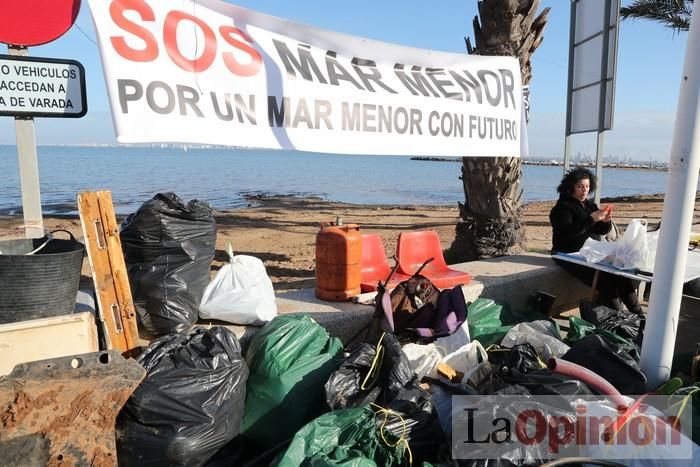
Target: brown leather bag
{"x": 410, "y": 296}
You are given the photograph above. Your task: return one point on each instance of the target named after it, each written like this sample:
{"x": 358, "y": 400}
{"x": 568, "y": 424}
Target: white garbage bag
{"x": 424, "y": 358}
{"x": 241, "y": 293}
{"x": 633, "y": 248}
{"x": 456, "y": 340}
{"x": 596, "y": 251}
{"x": 541, "y": 334}
{"x": 467, "y": 359}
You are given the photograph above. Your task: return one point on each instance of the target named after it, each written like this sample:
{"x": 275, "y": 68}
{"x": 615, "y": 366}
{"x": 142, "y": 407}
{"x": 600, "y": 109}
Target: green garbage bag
{"x": 489, "y": 321}
{"x": 290, "y": 359}
{"x": 578, "y": 329}
{"x": 348, "y": 438}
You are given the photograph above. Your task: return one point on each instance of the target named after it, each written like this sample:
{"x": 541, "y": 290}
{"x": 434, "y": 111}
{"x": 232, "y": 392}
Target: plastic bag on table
{"x": 542, "y": 334}
{"x": 189, "y": 405}
{"x": 596, "y": 251}
{"x": 289, "y": 359}
{"x": 168, "y": 249}
{"x": 241, "y": 292}
{"x": 652, "y": 245}
{"x": 633, "y": 249}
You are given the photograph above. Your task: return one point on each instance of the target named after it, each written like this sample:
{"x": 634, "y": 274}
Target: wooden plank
{"x": 44, "y": 338}
{"x": 104, "y": 248}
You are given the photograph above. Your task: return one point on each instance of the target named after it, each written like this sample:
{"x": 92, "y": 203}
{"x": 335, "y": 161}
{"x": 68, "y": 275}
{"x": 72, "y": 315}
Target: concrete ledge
{"x": 515, "y": 279}
{"x": 511, "y": 279}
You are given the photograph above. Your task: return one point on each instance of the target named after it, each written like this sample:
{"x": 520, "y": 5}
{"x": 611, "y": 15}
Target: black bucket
{"x": 41, "y": 284}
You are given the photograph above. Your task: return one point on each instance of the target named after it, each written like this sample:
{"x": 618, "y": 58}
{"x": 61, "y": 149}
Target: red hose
{"x": 590, "y": 378}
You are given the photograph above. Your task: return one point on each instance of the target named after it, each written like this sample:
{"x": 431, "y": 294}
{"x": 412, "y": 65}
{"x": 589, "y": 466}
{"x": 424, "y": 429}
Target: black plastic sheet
{"x": 168, "y": 248}
{"x": 622, "y": 323}
{"x": 412, "y": 417}
{"x": 519, "y": 368}
{"x": 189, "y": 405}
{"x": 613, "y": 361}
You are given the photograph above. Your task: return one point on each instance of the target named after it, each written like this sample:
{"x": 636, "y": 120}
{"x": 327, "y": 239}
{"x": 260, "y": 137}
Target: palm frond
{"x": 674, "y": 14}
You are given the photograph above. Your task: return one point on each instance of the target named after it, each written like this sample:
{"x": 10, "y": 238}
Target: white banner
{"x": 213, "y": 73}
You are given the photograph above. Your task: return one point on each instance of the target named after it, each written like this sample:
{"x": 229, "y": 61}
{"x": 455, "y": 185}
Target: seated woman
{"x": 574, "y": 219}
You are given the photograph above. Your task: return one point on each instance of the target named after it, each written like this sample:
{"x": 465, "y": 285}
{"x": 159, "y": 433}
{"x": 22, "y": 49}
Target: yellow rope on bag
{"x": 376, "y": 361}
{"x": 402, "y": 438}
{"x": 683, "y": 402}
{"x": 498, "y": 348}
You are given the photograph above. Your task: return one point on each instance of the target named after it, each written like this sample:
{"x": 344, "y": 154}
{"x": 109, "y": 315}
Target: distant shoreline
{"x": 606, "y": 165}
{"x": 304, "y": 203}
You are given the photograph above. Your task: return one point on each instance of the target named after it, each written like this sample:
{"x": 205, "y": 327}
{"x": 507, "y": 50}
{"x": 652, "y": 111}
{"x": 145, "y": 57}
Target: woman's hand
{"x": 602, "y": 215}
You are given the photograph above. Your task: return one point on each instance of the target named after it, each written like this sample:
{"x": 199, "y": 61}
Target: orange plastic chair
{"x": 415, "y": 248}
{"x": 374, "y": 265}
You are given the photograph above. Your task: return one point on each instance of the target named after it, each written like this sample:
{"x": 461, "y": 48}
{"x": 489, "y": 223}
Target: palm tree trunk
{"x": 491, "y": 222}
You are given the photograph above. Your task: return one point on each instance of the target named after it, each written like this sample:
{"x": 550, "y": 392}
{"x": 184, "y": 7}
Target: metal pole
{"x": 602, "y": 102}
{"x": 28, "y": 168}
{"x": 599, "y": 167}
{"x": 677, "y": 214}
{"x": 569, "y": 86}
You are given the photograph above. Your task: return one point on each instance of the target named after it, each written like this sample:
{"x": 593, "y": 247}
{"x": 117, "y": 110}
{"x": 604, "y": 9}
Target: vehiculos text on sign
{"x": 41, "y": 87}
{"x": 213, "y": 73}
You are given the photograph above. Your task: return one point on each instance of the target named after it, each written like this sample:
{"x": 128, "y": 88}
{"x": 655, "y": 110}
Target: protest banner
{"x": 209, "y": 72}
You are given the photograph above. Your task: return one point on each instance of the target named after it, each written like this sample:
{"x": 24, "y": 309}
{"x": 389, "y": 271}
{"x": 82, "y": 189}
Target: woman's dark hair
{"x": 572, "y": 177}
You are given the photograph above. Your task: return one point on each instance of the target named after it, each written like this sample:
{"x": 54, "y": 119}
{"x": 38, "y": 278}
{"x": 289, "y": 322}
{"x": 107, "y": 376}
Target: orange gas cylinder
{"x": 338, "y": 256}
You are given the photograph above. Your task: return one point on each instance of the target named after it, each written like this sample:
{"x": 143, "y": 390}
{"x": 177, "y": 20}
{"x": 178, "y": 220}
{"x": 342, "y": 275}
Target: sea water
{"x": 227, "y": 178}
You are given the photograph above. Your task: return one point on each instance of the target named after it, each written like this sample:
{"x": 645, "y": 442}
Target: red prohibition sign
{"x": 36, "y": 22}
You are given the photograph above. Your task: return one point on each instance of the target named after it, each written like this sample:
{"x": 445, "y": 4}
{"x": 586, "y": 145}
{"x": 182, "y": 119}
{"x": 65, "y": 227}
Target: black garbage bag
{"x": 168, "y": 248}
{"x": 521, "y": 367}
{"x": 521, "y": 357}
{"x": 189, "y": 405}
{"x": 538, "y": 383}
{"x": 371, "y": 373}
{"x": 622, "y": 323}
{"x": 412, "y": 417}
{"x": 612, "y": 360}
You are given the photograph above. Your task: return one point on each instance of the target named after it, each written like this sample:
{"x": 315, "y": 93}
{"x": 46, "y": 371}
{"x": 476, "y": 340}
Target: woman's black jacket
{"x": 572, "y": 224}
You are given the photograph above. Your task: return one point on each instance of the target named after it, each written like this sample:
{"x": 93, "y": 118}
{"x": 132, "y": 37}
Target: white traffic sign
{"x": 41, "y": 87}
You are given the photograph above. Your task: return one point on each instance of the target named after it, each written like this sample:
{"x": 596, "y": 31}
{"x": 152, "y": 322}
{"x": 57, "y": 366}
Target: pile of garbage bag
{"x": 297, "y": 396}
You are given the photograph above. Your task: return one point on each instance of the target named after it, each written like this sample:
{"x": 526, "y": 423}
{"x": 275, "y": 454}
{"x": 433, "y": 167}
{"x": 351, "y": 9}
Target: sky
{"x": 650, "y": 60}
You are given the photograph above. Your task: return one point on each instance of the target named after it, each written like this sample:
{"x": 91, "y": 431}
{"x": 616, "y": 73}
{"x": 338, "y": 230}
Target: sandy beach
{"x": 281, "y": 230}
